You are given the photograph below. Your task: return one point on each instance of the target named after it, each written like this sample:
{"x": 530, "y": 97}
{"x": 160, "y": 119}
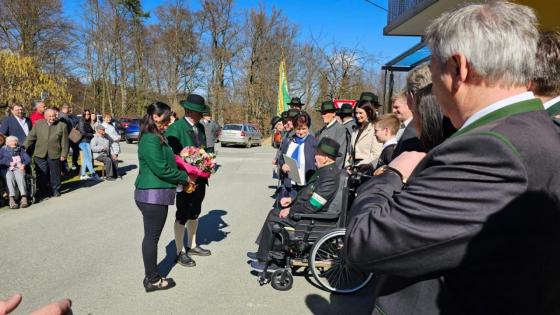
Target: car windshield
{"x": 232, "y": 127}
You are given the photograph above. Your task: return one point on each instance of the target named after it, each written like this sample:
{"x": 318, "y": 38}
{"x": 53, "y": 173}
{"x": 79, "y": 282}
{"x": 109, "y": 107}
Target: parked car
{"x": 132, "y": 131}
{"x": 240, "y": 134}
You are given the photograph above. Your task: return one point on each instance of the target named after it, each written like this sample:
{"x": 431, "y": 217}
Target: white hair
{"x": 8, "y": 138}
{"x": 498, "y": 39}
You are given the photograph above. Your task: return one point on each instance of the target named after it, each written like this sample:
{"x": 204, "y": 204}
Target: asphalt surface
{"x": 85, "y": 246}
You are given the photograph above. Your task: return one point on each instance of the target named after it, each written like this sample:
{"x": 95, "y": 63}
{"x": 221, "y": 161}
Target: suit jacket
{"x": 386, "y": 156}
{"x": 366, "y": 149}
{"x": 211, "y": 130}
{"x": 480, "y": 212}
{"x": 11, "y": 127}
{"x": 319, "y": 190}
{"x": 337, "y": 132}
{"x": 409, "y": 141}
{"x": 553, "y": 110}
{"x": 350, "y": 125}
{"x": 157, "y": 166}
{"x": 50, "y": 141}
{"x": 309, "y": 156}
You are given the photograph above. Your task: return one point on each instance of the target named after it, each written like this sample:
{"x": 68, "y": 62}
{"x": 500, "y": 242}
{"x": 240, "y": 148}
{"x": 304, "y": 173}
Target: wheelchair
{"x": 316, "y": 244}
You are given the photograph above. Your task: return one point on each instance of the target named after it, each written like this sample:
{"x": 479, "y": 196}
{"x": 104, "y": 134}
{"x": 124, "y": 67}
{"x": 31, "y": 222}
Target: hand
{"x": 22, "y": 167}
{"x": 114, "y": 157}
{"x": 192, "y": 178}
{"x": 62, "y": 158}
{"x": 285, "y": 168}
{"x": 274, "y": 162}
{"x": 10, "y": 304}
{"x": 286, "y": 201}
{"x": 284, "y": 213}
{"x": 407, "y": 162}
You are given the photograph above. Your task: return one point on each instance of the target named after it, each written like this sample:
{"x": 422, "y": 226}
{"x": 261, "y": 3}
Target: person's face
{"x": 194, "y": 116}
{"x": 401, "y": 109}
{"x": 65, "y": 109}
{"x": 87, "y": 115}
{"x": 302, "y": 131}
{"x": 50, "y": 116}
{"x": 17, "y": 111}
{"x": 279, "y": 127}
{"x": 101, "y": 132}
{"x": 320, "y": 159}
{"x": 361, "y": 115}
{"x": 12, "y": 143}
{"x": 381, "y": 134}
{"x": 160, "y": 122}
{"x": 288, "y": 125}
{"x": 41, "y": 107}
{"x": 328, "y": 117}
{"x": 107, "y": 118}
{"x": 93, "y": 118}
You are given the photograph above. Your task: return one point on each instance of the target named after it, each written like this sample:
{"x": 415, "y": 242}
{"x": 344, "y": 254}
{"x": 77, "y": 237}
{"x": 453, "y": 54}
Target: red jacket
{"x": 36, "y": 116}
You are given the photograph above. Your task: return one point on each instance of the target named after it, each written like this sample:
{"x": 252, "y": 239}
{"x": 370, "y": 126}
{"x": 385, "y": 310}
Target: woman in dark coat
{"x": 84, "y": 126}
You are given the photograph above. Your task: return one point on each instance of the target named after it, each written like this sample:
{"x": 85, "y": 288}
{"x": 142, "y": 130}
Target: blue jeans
{"x": 87, "y": 162}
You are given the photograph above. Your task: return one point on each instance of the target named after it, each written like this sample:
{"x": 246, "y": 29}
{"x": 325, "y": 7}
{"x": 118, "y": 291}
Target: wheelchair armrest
{"x": 314, "y": 216}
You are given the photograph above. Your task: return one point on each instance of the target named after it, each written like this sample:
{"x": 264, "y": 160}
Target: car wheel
{"x": 129, "y": 141}
{"x": 248, "y": 145}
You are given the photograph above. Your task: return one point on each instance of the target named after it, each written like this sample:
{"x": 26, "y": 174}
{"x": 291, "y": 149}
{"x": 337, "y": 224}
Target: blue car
{"x": 132, "y": 131}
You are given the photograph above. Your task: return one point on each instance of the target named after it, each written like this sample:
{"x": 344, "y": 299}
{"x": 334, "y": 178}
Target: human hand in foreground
{"x": 286, "y": 201}
{"x": 62, "y": 307}
{"x": 407, "y": 162}
{"x": 285, "y": 168}
{"x": 284, "y": 213}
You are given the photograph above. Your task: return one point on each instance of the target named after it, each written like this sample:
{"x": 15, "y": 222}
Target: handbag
{"x": 75, "y": 135}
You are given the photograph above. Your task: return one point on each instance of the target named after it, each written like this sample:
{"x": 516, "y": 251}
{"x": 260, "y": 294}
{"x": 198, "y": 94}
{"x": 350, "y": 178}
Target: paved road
{"x": 86, "y": 246}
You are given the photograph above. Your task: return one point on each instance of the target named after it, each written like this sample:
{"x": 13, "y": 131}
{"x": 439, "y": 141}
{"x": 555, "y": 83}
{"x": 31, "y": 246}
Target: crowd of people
{"x": 461, "y": 209}
{"x": 36, "y": 149}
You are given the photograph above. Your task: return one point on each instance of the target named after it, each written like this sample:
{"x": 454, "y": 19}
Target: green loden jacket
{"x": 158, "y": 169}
{"x": 180, "y": 134}
{"x": 50, "y": 141}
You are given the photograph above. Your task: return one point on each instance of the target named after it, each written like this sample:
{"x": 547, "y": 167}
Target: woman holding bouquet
{"x": 157, "y": 179}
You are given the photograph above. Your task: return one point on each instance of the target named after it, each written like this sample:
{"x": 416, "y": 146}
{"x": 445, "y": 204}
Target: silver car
{"x": 240, "y": 134}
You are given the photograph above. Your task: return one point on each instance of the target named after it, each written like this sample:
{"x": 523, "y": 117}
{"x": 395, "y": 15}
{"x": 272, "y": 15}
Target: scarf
{"x": 13, "y": 151}
{"x": 299, "y": 141}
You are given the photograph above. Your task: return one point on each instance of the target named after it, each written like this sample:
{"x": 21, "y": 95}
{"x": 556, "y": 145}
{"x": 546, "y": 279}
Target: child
{"x": 386, "y": 128}
{"x": 13, "y": 160}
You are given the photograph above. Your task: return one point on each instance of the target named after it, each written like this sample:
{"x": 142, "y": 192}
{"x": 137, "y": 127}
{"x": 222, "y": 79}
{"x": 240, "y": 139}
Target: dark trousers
{"x": 189, "y": 206}
{"x": 111, "y": 166}
{"x": 266, "y": 237}
{"x": 154, "y": 219}
{"x": 48, "y": 172}
{"x": 210, "y": 149}
{"x": 75, "y": 153}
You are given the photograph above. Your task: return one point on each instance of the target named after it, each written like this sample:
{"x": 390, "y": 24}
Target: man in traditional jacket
{"x": 334, "y": 130}
{"x": 189, "y": 132}
{"x": 471, "y": 227}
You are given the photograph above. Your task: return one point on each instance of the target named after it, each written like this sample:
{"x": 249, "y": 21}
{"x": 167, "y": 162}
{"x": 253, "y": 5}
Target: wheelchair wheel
{"x": 281, "y": 280}
{"x": 329, "y": 267}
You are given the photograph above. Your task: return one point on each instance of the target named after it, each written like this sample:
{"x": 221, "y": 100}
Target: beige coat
{"x": 366, "y": 148}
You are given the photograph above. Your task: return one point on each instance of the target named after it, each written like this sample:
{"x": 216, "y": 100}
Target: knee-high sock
{"x": 192, "y": 226}
{"x": 179, "y": 236}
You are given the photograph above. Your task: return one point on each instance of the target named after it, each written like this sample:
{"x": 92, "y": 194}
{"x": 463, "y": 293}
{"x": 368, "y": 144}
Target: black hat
{"x": 275, "y": 120}
{"x": 329, "y": 147}
{"x": 295, "y": 101}
{"x": 195, "y": 103}
{"x": 293, "y": 112}
{"x": 345, "y": 109}
{"x": 327, "y": 106}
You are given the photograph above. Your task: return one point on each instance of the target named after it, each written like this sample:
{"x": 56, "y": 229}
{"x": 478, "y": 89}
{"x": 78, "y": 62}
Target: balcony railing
{"x": 399, "y": 7}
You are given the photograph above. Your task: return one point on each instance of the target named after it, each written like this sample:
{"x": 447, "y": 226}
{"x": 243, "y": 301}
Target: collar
{"x": 389, "y": 142}
{"x": 553, "y": 106}
{"x": 406, "y": 122}
{"x": 551, "y": 102}
{"x": 331, "y": 123}
{"x": 327, "y": 167}
{"x": 348, "y": 121}
{"x": 188, "y": 120}
{"x": 530, "y": 105}
{"x": 498, "y": 105}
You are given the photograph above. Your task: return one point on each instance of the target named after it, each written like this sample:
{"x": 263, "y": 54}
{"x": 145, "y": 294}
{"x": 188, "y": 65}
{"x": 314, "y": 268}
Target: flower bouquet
{"x": 197, "y": 162}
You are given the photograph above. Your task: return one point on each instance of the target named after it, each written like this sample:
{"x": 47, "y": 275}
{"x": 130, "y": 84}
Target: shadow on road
{"x": 210, "y": 227}
{"x": 209, "y": 230}
{"x": 125, "y": 169}
{"x": 360, "y": 303}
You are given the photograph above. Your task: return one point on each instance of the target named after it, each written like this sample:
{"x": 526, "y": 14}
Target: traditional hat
{"x": 293, "y": 112}
{"x": 327, "y": 106}
{"x": 345, "y": 109}
{"x": 194, "y": 103}
{"x": 295, "y": 101}
{"x": 329, "y": 147}
{"x": 369, "y": 97}
{"x": 275, "y": 120}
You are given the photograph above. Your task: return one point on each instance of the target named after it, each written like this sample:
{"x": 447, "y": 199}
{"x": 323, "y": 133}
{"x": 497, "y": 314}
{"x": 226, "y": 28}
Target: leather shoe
{"x": 184, "y": 260}
{"x": 161, "y": 284}
{"x": 199, "y": 251}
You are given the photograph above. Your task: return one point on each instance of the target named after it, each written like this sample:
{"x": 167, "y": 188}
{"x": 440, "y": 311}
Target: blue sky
{"x": 350, "y": 23}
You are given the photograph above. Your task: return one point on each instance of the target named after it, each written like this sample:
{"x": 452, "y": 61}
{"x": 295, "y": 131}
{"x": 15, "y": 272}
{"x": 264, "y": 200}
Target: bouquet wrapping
{"x": 197, "y": 162}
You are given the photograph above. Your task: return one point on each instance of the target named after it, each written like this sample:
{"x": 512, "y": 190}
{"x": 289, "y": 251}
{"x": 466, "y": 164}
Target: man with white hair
{"x": 471, "y": 227}
{"x": 50, "y": 138}
{"x": 39, "y": 112}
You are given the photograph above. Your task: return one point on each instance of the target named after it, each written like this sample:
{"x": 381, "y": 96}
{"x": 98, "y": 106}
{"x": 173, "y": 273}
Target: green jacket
{"x": 180, "y": 134}
{"x": 157, "y": 164}
{"x": 51, "y": 141}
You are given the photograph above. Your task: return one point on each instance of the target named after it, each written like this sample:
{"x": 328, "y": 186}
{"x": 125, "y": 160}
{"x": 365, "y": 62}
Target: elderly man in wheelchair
{"x": 309, "y": 231}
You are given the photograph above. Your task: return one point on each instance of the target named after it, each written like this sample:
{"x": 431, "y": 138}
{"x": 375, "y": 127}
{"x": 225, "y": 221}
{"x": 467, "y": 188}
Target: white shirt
{"x": 498, "y": 105}
{"x": 301, "y": 167}
{"x": 403, "y": 126}
{"x": 23, "y": 124}
{"x": 389, "y": 142}
{"x": 551, "y": 102}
